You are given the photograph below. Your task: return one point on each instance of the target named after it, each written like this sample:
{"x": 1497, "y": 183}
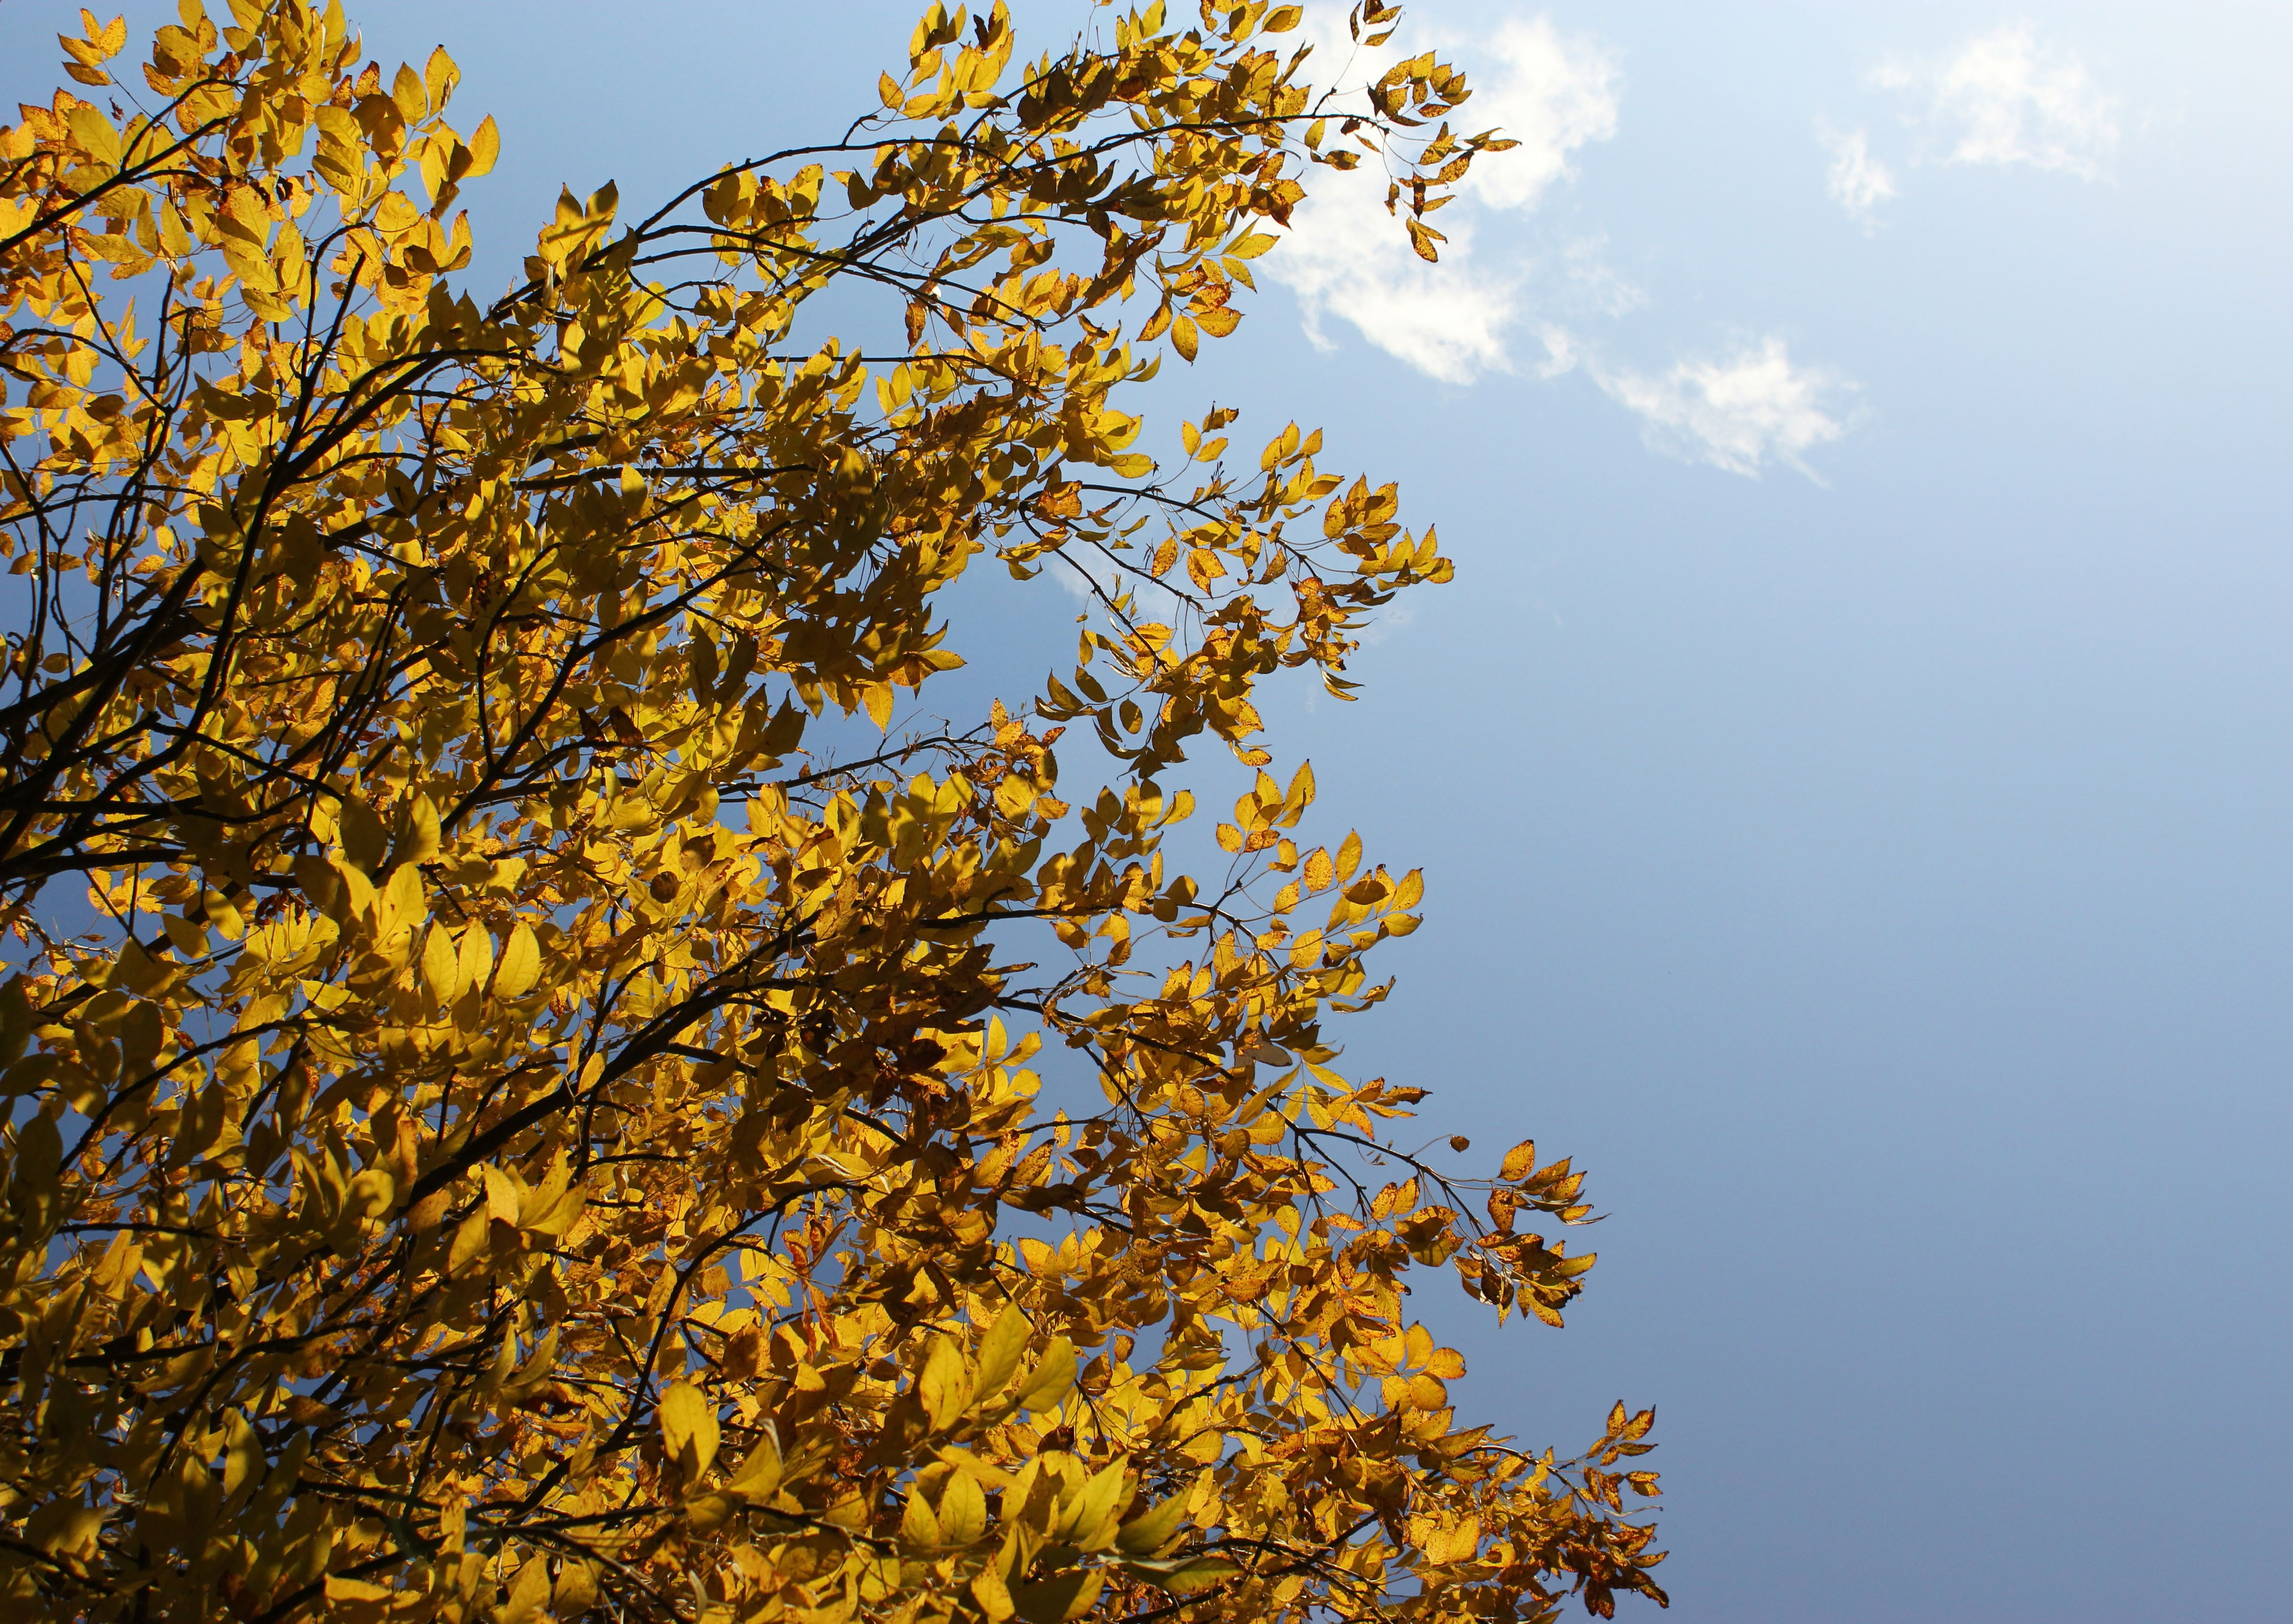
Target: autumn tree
{"x": 512, "y": 1108}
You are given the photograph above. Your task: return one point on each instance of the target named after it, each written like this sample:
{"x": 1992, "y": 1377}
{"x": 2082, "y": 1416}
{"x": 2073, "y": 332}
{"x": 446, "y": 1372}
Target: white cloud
{"x": 1738, "y": 413}
{"x": 1589, "y": 285}
{"x": 1856, "y": 182}
{"x": 2006, "y": 100}
{"x": 1552, "y": 93}
{"x": 1346, "y": 257}
{"x": 1561, "y": 357}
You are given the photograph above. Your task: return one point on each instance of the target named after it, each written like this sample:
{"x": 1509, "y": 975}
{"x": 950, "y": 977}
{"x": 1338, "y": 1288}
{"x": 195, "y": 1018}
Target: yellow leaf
{"x": 505, "y": 1195}
{"x": 1089, "y": 1521}
{"x": 760, "y": 1476}
{"x": 139, "y": 972}
{"x": 1050, "y": 1380}
{"x": 521, "y": 963}
{"x": 371, "y": 1194}
{"x": 474, "y": 960}
{"x": 1300, "y": 795}
{"x": 364, "y": 836}
{"x": 402, "y": 900}
{"x": 962, "y": 1510}
{"x": 1147, "y": 1533}
{"x": 243, "y": 1457}
{"x": 1198, "y": 1574}
{"x": 918, "y": 1525}
{"x": 528, "y": 1593}
{"x": 688, "y": 1427}
{"x": 418, "y": 840}
{"x": 439, "y": 77}
{"x": 406, "y": 90}
{"x": 66, "y": 1528}
{"x": 441, "y": 965}
{"x": 993, "y": 1596}
{"x": 1061, "y": 1596}
{"x": 485, "y": 147}
{"x": 78, "y": 69}
{"x": 1454, "y": 1541}
{"x": 944, "y": 1388}
{"x": 469, "y": 1243}
{"x": 999, "y": 1351}
{"x": 964, "y": 1460}
{"x": 95, "y": 135}
{"x": 576, "y": 1591}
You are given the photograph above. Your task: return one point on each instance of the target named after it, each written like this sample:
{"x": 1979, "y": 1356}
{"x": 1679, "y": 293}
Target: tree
{"x": 531, "y": 1117}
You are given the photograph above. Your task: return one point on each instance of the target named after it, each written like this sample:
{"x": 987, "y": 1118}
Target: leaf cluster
{"x": 527, "y": 1119}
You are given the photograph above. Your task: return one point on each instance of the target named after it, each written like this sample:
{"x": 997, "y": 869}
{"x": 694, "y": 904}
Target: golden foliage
{"x": 530, "y": 1129}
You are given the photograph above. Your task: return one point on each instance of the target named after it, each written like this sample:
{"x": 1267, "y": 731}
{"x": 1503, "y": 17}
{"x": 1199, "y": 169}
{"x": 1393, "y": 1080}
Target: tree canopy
{"x": 527, "y": 1094}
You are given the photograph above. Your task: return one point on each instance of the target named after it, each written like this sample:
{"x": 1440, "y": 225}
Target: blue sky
{"x": 1852, "y": 766}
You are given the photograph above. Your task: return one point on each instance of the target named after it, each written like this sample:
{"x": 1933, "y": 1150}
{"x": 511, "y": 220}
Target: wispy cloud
{"x": 1346, "y": 257}
{"x": 1587, "y": 285}
{"x": 1739, "y": 412}
{"x": 1856, "y": 182}
{"x": 1556, "y": 93}
{"x": 1551, "y": 93}
{"x": 2004, "y": 99}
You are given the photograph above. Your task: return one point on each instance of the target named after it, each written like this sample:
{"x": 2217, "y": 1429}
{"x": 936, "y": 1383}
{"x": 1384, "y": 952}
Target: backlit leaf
{"x": 688, "y": 1427}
